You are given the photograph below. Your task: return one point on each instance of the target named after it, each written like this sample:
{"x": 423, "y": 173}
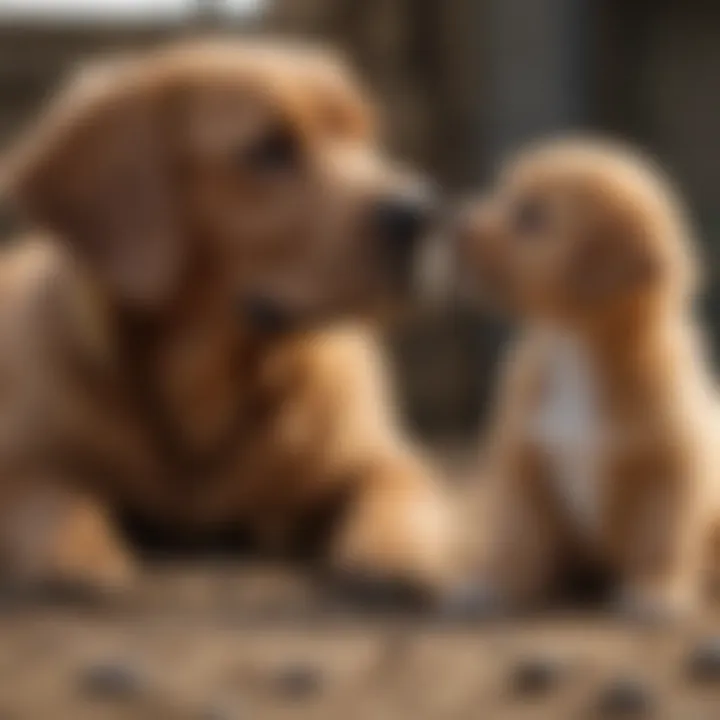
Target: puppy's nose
{"x": 400, "y": 221}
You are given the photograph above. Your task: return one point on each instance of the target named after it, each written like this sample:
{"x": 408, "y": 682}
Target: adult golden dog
{"x": 174, "y": 343}
{"x": 604, "y": 452}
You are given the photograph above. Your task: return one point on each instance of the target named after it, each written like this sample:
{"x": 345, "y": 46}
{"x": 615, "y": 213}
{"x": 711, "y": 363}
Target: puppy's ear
{"x": 614, "y": 257}
{"x": 95, "y": 171}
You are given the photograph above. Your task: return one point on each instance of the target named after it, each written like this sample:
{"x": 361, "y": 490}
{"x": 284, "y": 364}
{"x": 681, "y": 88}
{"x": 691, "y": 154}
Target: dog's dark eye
{"x": 276, "y": 150}
{"x": 530, "y": 218}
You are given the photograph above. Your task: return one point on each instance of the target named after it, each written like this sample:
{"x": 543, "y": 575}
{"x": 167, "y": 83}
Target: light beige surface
{"x": 215, "y": 640}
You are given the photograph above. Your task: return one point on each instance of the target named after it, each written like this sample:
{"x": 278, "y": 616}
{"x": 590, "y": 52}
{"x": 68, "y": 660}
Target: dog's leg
{"x": 58, "y": 538}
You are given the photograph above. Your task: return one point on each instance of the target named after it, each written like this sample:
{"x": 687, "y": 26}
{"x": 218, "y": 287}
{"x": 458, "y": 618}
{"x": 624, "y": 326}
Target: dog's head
{"x": 253, "y": 166}
{"x": 574, "y": 230}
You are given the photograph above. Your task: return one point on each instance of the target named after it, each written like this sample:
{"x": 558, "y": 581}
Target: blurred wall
{"x": 461, "y": 83}
{"x": 466, "y": 81}
{"x": 656, "y": 83}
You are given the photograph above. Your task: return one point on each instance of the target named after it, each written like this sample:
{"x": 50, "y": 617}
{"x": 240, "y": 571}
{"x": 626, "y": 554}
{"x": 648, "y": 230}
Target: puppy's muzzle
{"x": 479, "y": 260}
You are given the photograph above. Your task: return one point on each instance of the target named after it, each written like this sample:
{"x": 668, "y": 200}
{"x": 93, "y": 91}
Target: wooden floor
{"x": 214, "y": 643}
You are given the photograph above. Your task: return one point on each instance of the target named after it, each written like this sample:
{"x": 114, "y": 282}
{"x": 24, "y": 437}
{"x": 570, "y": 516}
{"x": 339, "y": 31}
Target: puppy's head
{"x": 252, "y": 166}
{"x": 575, "y": 230}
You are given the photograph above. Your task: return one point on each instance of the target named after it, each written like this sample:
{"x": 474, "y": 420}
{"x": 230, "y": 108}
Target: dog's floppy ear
{"x": 95, "y": 171}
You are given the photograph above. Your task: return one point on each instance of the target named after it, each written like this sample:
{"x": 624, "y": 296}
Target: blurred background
{"x": 461, "y": 82}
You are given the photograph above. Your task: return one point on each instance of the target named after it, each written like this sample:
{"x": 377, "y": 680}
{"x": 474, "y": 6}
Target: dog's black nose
{"x": 400, "y": 221}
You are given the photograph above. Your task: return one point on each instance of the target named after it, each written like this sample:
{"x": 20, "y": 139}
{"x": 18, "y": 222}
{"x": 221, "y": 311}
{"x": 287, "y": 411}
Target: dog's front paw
{"x": 397, "y": 542}
{"x": 74, "y": 553}
{"x": 89, "y": 554}
{"x": 106, "y": 569}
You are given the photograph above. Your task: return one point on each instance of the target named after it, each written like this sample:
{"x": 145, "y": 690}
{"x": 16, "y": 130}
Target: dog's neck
{"x": 191, "y": 368}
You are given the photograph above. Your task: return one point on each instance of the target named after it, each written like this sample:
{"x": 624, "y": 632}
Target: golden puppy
{"x": 196, "y": 200}
{"x": 604, "y": 450}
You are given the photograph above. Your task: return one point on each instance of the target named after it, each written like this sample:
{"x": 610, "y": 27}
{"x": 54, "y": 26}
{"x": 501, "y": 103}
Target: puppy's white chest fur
{"x": 568, "y": 427}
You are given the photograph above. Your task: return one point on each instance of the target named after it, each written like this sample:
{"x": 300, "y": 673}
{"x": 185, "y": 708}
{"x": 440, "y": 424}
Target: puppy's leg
{"x": 661, "y": 550}
{"x": 56, "y": 537}
{"x": 397, "y": 530}
{"x": 522, "y": 538}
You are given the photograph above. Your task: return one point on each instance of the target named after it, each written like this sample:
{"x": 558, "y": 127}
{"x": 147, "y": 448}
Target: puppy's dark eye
{"x": 530, "y": 218}
{"x": 276, "y": 150}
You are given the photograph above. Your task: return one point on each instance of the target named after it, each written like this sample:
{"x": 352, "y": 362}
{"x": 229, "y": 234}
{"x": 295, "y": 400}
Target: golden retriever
{"x": 604, "y": 449}
{"x": 188, "y": 341}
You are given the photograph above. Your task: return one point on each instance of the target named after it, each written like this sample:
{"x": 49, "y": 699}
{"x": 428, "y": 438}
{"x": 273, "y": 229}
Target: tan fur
{"x": 133, "y": 381}
{"x": 585, "y": 241}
